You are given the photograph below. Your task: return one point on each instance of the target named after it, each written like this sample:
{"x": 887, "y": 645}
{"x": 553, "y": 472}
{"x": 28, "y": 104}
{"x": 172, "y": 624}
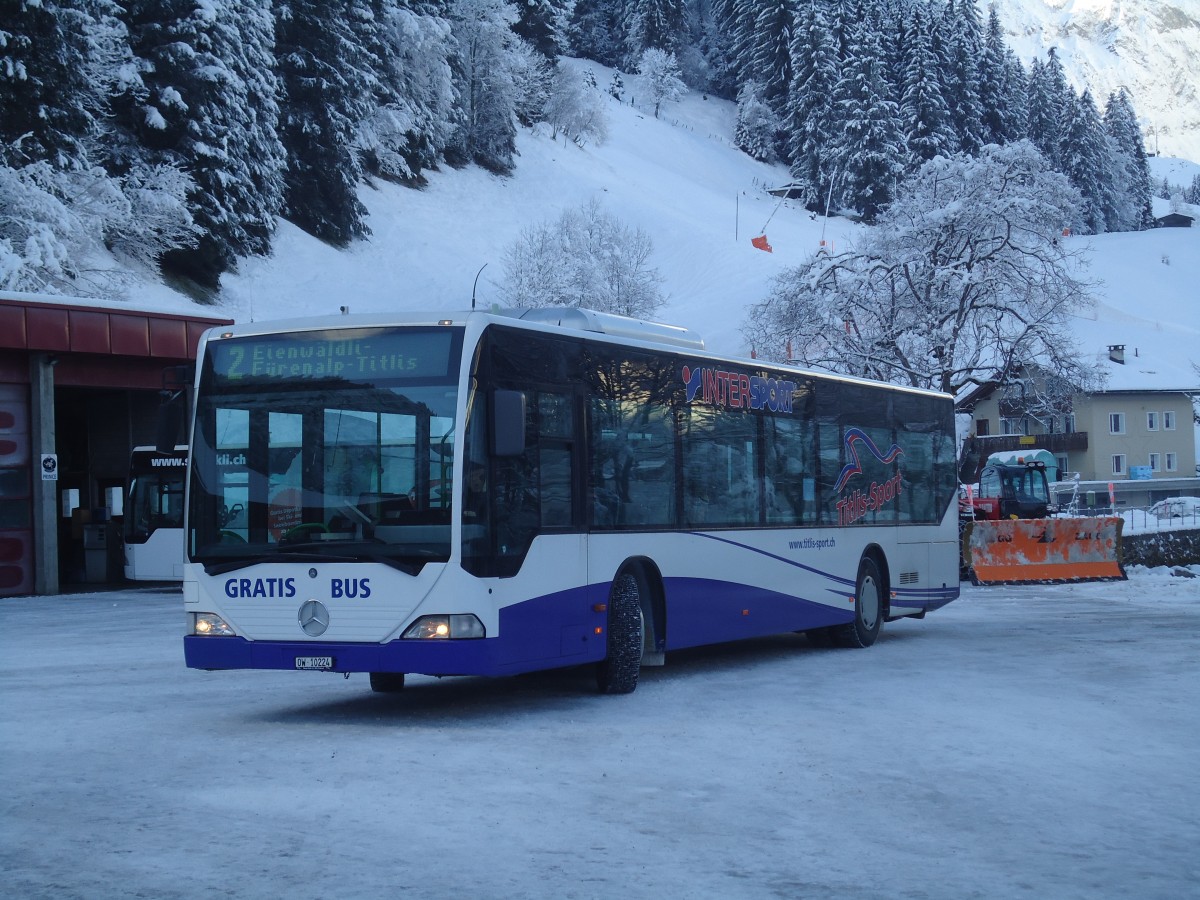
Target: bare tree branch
{"x": 965, "y": 279}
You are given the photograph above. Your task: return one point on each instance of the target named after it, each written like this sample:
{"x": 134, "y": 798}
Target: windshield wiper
{"x": 409, "y": 562}
{"x": 232, "y": 565}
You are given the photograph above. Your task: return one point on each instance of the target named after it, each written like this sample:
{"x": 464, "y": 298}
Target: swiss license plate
{"x": 314, "y": 662}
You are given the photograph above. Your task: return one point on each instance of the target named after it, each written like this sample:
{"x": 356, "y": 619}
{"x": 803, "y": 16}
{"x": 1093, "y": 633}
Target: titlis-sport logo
{"x": 859, "y": 503}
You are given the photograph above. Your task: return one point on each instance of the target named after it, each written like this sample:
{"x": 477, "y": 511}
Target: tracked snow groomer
{"x": 1012, "y": 534}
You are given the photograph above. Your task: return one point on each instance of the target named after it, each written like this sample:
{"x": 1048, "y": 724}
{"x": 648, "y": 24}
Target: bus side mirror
{"x": 508, "y": 423}
{"x": 170, "y": 423}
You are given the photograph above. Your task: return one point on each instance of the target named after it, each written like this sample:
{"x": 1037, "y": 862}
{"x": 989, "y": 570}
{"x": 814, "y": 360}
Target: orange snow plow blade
{"x": 1044, "y": 551}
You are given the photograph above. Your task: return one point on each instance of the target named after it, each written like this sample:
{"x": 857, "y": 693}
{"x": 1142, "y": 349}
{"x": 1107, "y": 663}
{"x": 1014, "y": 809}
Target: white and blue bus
{"x": 152, "y": 529}
{"x": 498, "y": 492}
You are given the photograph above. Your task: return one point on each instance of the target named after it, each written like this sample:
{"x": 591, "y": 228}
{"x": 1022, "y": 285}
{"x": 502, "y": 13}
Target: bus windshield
{"x": 336, "y": 444}
{"x": 155, "y": 494}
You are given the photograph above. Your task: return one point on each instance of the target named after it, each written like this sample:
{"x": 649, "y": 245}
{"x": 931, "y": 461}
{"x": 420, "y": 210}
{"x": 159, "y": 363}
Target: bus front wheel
{"x": 387, "y": 682}
{"x": 868, "y": 608}
{"x": 618, "y": 672}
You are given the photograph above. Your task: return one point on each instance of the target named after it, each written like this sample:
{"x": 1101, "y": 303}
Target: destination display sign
{"x": 376, "y": 354}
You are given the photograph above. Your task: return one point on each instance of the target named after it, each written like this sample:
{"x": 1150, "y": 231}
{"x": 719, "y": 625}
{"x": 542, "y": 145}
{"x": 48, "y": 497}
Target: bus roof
{"x": 615, "y": 328}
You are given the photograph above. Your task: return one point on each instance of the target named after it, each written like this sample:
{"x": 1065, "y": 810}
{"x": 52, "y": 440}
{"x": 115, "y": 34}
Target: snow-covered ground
{"x": 1139, "y": 520}
{"x": 1022, "y": 742}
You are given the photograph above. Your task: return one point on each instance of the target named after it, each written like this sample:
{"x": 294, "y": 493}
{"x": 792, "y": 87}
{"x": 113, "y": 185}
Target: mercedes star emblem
{"x": 314, "y": 618}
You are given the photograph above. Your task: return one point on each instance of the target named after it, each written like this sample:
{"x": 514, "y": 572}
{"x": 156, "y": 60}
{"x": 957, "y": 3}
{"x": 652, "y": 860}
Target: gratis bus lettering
{"x": 348, "y": 358}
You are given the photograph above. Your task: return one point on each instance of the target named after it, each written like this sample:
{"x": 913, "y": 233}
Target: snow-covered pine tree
{"x": 42, "y": 238}
{"x": 543, "y": 24}
{"x": 1051, "y": 98}
{"x": 810, "y": 124}
{"x": 661, "y": 77}
{"x": 575, "y": 106}
{"x": 769, "y": 53}
{"x": 51, "y": 101}
{"x": 616, "y": 87}
{"x": 1087, "y": 162}
{"x": 964, "y": 47}
{"x": 996, "y": 123}
{"x": 596, "y": 30}
{"x": 659, "y": 24}
{"x": 842, "y": 16}
{"x": 1120, "y": 122}
{"x": 1192, "y": 194}
{"x": 325, "y": 94}
{"x": 487, "y": 67}
{"x": 924, "y": 115}
{"x": 73, "y": 184}
{"x": 867, "y": 147}
{"x": 896, "y": 32}
{"x": 757, "y": 125}
{"x": 741, "y": 15}
{"x": 368, "y": 23}
{"x": 415, "y": 112}
{"x": 1016, "y": 97}
{"x": 209, "y": 105}
{"x": 1044, "y": 112}
{"x": 716, "y": 44}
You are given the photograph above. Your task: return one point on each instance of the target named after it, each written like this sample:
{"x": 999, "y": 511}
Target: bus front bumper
{"x": 484, "y": 656}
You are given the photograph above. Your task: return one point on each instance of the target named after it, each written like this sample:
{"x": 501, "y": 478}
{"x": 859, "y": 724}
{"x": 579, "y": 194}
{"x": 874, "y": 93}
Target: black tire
{"x": 820, "y": 637}
{"x": 387, "y": 682}
{"x": 618, "y": 672}
{"x": 868, "y": 608}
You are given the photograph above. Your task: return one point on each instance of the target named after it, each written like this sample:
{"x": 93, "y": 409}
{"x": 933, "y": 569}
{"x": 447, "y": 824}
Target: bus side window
{"x": 515, "y": 495}
{"x": 636, "y": 469}
{"x": 788, "y": 451}
{"x": 556, "y": 481}
{"x": 720, "y": 465}
{"x": 556, "y": 432}
{"x": 608, "y": 466}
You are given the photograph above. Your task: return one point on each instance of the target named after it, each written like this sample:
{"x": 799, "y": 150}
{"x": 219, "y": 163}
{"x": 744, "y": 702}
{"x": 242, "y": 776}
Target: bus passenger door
{"x": 557, "y": 472}
{"x": 535, "y": 497}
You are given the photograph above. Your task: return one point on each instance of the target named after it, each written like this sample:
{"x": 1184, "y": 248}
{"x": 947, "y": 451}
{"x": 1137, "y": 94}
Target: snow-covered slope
{"x": 679, "y": 178}
{"x": 1151, "y": 47}
{"x": 700, "y": 200}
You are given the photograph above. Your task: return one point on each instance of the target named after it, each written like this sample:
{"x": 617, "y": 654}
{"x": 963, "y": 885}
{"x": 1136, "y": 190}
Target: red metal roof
{"x": 69, "y": 328}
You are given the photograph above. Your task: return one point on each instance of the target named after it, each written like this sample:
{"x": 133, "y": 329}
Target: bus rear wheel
{"x": 868, "y": 608}
{"x": 820, "y": 637}
{"x": 387, "y": 682}
{"x": 618, "y": 672}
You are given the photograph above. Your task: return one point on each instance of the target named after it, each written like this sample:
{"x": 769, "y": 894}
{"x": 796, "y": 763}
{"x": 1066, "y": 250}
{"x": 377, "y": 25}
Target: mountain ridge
{"x": 1149, "y": 47}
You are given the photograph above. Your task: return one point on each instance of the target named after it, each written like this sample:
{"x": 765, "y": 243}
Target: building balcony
{"x": 1055, "y": 443}
{"x": 1019, "y": 407}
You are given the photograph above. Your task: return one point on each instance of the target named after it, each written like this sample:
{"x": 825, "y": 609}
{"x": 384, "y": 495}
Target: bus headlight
{"x": 210, "y": 625}
{"x": 457, "y": 627}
